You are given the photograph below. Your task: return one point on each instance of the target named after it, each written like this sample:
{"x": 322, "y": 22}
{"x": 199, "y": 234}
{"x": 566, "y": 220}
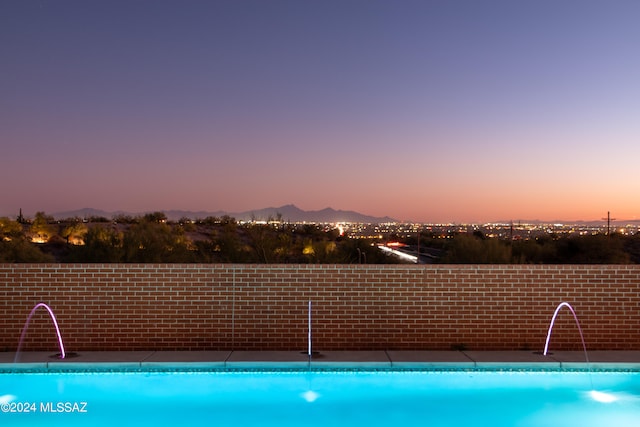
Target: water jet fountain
{"x": 62, "y": 354}
{"x": 595, "y": 395}
{"x": 553, "y": 319}
{"x": 309, "y": 353}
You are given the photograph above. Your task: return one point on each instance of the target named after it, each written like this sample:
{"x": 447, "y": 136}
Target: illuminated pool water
{"x": 321, "y": 398}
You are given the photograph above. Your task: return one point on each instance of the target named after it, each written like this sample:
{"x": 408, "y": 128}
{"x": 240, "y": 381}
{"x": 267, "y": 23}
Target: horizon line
{"x": 392, "y": 220}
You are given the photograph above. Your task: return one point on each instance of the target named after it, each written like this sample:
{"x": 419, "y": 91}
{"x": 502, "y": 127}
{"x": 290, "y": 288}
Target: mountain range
{"x": 288, "y": 213}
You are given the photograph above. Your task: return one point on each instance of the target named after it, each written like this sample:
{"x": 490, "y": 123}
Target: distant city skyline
{"x": 424, "y": 111}
{"x": 292, "y": 213}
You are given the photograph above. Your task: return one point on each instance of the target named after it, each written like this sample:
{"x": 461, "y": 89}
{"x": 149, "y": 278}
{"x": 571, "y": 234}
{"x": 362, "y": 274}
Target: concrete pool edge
{"x": 389, "y": 359}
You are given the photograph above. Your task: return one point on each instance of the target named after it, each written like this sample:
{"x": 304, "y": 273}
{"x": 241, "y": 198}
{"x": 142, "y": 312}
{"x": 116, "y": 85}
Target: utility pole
{"x": 418, "y": 258}
{"x": 609, "y": 219}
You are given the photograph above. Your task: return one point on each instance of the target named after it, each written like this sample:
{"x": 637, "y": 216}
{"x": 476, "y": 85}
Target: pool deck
{"x": 141, "y": 360}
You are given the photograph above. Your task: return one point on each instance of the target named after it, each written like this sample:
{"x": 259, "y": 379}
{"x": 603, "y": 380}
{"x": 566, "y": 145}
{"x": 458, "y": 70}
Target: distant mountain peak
{"x": 289, "y": 212}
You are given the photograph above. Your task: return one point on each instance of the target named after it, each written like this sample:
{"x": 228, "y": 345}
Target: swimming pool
{"x": 327, "y": 398}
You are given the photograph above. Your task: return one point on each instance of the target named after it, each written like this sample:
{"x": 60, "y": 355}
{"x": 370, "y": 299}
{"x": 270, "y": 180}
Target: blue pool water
{"x": 321, "y": 398}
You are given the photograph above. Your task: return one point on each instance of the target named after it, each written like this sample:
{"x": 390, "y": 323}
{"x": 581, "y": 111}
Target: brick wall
{"x": 355, "y": 307}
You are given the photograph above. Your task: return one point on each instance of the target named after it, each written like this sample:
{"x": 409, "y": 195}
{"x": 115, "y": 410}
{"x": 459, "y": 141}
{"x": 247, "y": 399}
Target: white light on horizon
{"x": 399, "y": 254}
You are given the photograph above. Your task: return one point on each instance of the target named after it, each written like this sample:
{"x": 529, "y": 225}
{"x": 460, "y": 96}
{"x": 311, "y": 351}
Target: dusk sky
{"x": 432, "y": 111}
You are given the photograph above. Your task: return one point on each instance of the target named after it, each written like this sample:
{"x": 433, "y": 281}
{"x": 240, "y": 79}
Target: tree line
{"x": 151, "y": 238}
{"x": 475, "y": 248}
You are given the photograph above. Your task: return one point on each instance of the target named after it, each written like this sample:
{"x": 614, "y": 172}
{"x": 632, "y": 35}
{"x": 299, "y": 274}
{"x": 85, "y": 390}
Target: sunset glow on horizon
{"x": 426, "y": 111}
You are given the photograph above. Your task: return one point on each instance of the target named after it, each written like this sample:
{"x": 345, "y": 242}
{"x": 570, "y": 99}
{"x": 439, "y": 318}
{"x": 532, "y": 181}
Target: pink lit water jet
{"x": 26, "y": 325}
{"x": 553, "y": 319}
{"x": 596, "y": 395}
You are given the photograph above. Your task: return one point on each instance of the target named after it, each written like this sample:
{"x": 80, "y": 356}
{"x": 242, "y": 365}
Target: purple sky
{"x": 431, "y": 111}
